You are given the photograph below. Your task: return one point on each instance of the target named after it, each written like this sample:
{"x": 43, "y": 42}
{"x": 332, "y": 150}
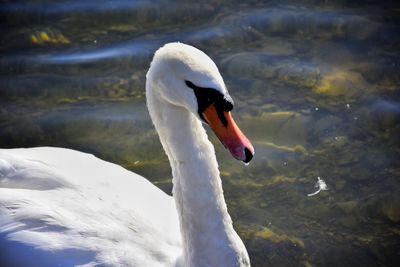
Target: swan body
{"x": 60, "y": 207}
{"x": 81, "y": 210}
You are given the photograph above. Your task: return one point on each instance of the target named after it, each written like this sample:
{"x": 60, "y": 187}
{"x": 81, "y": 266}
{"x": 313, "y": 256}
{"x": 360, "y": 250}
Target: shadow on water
{"x": 315, "y": 85}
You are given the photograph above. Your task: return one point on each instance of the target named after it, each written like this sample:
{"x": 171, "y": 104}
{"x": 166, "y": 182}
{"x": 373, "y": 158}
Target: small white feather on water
{"x": 321, "y": 185}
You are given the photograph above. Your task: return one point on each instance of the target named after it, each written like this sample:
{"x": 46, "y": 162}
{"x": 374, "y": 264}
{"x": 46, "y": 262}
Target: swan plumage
{"x": 96, "y": 210}
{"x": 60, "y": 207}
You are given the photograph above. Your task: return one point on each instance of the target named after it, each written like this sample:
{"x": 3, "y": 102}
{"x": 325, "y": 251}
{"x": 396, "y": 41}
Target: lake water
{"x": 316, "y": 86}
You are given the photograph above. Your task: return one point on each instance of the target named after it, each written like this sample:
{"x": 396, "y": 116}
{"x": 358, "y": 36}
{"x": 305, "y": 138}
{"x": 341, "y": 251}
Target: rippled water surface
{"x": 316, "y": 86}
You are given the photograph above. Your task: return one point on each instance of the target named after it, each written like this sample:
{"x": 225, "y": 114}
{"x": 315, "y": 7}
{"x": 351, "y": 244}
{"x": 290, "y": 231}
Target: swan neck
{"x": 207, "y": 233}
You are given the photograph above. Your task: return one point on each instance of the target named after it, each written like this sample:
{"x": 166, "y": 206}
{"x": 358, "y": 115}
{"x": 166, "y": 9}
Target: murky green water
{"x": 316, "y": 87}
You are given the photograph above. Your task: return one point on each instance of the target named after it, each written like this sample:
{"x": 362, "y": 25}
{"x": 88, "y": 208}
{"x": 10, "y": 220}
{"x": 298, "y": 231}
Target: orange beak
{"x": 230, "y": 135}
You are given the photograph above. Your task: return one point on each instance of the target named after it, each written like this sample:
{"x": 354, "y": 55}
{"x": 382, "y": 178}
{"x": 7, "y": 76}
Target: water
{"x": 316, "y": 87}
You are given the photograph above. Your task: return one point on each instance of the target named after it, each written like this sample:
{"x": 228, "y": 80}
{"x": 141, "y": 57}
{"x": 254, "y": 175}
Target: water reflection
{"x": 75, "y": 6}
{"x": 315, "y": 85}
{"x": 387, "y": 105}
{"x": 123, "y": 50}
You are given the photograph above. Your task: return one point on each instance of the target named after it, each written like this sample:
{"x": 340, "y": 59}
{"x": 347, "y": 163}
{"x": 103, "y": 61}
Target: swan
{"x": 60, "y": 207}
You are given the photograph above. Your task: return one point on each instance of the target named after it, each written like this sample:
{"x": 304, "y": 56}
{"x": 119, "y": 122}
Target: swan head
{"x": 184, "y": 76}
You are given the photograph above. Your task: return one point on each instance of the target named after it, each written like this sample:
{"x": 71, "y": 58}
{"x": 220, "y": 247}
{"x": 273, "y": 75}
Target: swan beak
{"x": 229, "y": 133}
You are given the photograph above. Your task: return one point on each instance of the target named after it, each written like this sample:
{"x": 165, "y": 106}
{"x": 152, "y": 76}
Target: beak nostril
{"x": 248, "y": 155}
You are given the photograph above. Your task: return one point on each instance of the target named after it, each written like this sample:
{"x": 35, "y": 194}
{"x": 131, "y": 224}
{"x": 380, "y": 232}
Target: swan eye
{"x": 207, "y": 96}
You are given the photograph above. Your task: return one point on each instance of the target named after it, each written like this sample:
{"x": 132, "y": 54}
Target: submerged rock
{"x": 269, "y": 248}
{"x": 287, "y": 129}
{"x": 268, "y": 234}
{"x": 348, "y": 221}
{"x": 277, "y": 69}
{"x": 341, "y": 84}
{"x": 391, "y": 209}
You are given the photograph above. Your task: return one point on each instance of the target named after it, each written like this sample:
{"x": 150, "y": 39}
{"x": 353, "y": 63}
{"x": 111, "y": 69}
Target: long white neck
{"x": 207, "y": 233}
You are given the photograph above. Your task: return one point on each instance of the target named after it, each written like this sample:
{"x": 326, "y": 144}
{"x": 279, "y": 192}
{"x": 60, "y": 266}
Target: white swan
{"x": 60, "y": 207}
